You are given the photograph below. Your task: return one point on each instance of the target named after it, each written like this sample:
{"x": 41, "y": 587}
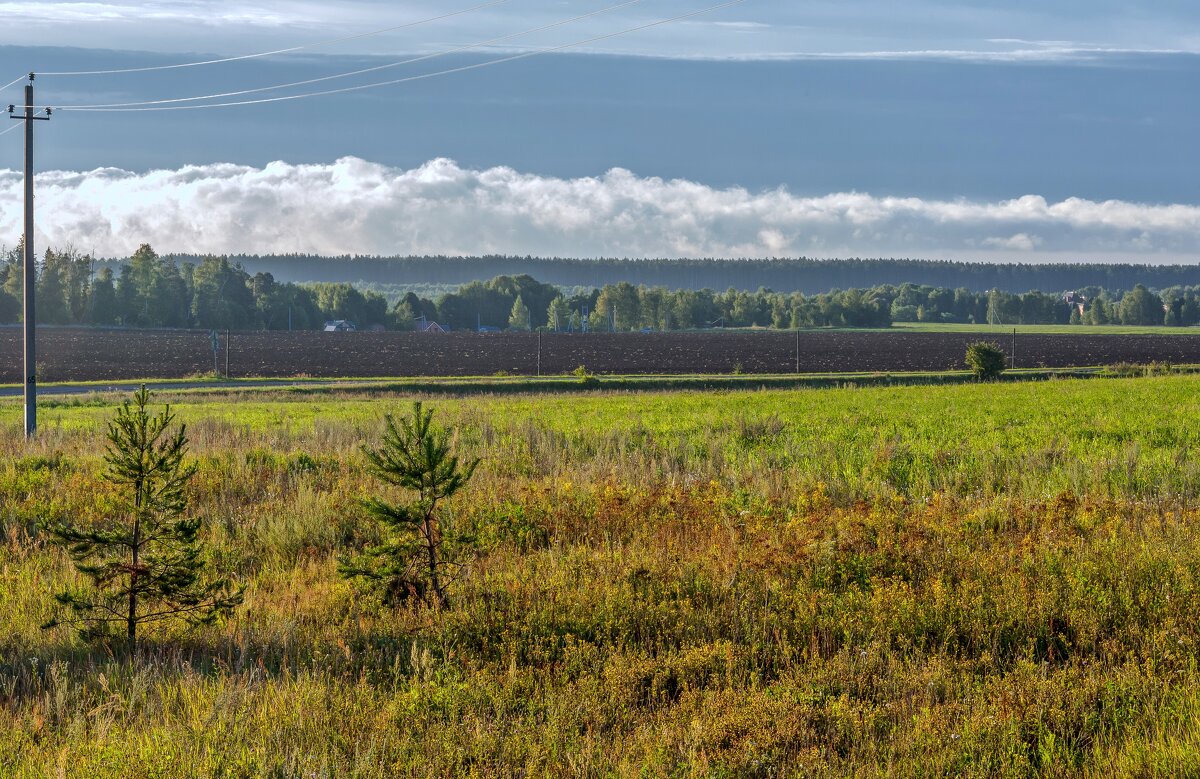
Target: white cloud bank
{"x": 354, "y": 206}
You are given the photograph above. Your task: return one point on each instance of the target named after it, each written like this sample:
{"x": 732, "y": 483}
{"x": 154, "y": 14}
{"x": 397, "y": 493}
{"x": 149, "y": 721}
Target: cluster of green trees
{"x": 784, "y": 274}
{"x": 522, "y": 303}
{"x": 152, "y": 291}
{"x": 1174, "y": 306}
{"x": 148, "y": 290}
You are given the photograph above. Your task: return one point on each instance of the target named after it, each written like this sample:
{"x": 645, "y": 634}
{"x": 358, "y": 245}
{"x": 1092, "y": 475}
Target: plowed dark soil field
{"x": 66, "y": 354}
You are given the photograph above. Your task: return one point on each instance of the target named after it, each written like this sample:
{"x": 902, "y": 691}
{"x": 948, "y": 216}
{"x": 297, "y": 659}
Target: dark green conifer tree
{"x": 420, "y": 553}
{"x": 104, "y": 305}
{"x": 52, "y": 290}
{"x": 147, "y": 565}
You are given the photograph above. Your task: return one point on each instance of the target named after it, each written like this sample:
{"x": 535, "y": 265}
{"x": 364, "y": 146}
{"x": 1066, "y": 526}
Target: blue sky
{"x": 756, "y": 28}
{"x": 825, "y": 129}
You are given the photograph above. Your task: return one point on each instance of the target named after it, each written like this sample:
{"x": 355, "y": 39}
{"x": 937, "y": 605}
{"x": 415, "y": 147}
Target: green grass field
{"x": 999, "y": 330}
{"x": 971, "y": 580}
{"x": 51, "y": 396}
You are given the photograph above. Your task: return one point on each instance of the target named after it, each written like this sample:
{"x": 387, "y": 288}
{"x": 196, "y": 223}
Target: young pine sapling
{"x": 146, "y": 565}
{"x": 420, "y": 554}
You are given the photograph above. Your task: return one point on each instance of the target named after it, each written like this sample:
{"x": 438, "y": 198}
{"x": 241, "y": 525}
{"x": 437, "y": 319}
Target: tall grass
{"x": 976, "y": 580}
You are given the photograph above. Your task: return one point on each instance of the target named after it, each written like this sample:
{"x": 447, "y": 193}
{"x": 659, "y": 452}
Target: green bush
{"x": 585, "y": 377}
{"x": 986, "y": 360}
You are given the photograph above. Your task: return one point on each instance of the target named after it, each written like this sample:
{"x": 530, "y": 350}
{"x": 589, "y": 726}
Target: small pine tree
{"x": 147, "y": 566}
{"x": 986, "y": 360}
{"x": 420, "y": 553}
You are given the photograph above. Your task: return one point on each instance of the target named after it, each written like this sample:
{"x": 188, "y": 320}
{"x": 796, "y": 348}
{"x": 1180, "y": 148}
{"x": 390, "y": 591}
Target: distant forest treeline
{"x": 782, "y": 275}
{"x": 147, "y": 290}
{"x": 521, "y": 303}
{"x": 152, "y": 291}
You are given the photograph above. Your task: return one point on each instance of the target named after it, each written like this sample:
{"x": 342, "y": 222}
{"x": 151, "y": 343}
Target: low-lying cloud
{"x": 358, "y": 207}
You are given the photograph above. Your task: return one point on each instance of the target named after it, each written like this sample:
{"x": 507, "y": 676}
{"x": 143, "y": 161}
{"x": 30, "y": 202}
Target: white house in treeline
{"x": 340, "y": 326}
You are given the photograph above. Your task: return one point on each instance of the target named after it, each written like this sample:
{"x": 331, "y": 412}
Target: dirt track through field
{"x": 70, "y": 354}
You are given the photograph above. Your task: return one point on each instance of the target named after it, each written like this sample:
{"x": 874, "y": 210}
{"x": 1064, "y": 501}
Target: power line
{"x": 239, "y": 58}
{"x": 462, "y": 69}
{"x": 17, "y": 126}
{"x": 422, "y": 58}
{"x": 22, "y": 77}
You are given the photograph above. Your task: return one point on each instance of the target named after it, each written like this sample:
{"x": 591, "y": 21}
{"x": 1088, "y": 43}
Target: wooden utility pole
{"x": 29, "y": 268}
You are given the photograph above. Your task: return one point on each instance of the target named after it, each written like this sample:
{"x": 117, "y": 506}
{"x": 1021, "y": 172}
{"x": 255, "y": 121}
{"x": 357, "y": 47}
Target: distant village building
{"x": 1075, "y": 300}
{"x": 429, "y": 327}
{"x": 340, "y": 326}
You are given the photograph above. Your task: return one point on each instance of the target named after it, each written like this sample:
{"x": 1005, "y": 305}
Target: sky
{"x": 754, "y": 29}
{"x": 956, "y": 129}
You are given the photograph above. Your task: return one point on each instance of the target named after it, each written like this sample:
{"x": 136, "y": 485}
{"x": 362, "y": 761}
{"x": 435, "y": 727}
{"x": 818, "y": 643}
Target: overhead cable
{"x": 257, "y": 55}
{"x": 15, "y": 126}
{"x": 422, "y": 58}
{"x": 462, "y": 69}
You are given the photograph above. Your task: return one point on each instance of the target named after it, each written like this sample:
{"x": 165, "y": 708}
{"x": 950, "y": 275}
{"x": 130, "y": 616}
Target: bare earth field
{"x": 69, "y": 354}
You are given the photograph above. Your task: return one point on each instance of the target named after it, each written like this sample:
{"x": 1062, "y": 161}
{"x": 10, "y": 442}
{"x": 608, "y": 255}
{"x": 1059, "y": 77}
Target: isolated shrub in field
{"x": 1132, "y": 369}
{"x": 148, "y": 565}
{"x": 420, "y": 554}
{"x": 985, "y": 359}
{"x": 585, "y": 377}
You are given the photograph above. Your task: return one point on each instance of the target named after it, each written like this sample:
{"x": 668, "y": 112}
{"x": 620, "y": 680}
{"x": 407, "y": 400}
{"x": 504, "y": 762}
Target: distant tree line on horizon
{"x": 148, "y": 290}
{"x": 805, "y": 275}
{"x": 522, "y": 303}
